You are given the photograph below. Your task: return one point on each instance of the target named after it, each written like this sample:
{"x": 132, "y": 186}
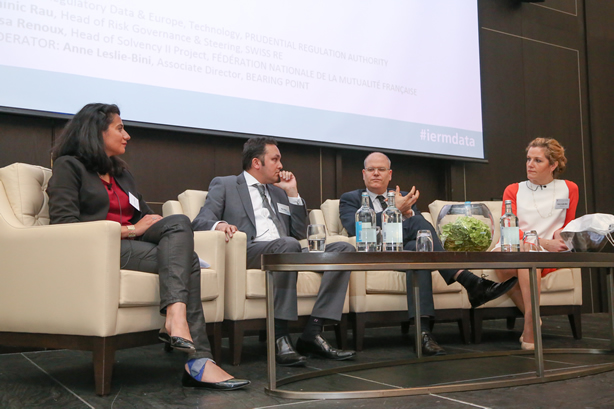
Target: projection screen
{"x": 397, "y": 75}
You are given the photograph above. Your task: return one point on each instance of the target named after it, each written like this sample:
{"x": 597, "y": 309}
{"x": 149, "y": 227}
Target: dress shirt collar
{"x": 250, "y": 180}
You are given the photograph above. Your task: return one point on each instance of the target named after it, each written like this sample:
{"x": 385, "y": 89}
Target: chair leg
{"x": 262, "y": 335}
{"x": 464, "y": 326}
{"x": 235, "y": 337}
{"x": 405, "y": 327}
{"x": 341, "y": 332}
{"x": 511, "y": 322}
{"x": 575, "y": 320}
{"x": 103, "y": 359}
{"x": 358, "y": 329}
{"x": 214, "y": 333}
{"x": 476, "y": 325}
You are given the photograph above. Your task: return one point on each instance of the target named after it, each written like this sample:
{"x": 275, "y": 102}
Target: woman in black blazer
{"x": 90, "y": 182}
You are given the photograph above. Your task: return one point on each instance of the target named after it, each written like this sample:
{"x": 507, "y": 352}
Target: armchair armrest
{"x": 211, "y": 247}
{"x": 236, "y": 276}
{"x": 60, "y": 279}
{"x": 171, "y": 207}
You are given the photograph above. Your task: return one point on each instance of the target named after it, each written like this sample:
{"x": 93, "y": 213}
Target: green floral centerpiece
{"x": 465, "y": 227}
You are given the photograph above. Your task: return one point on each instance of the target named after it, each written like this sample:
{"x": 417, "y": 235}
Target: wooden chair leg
{"x": 575, "y": 320}
{"x": 464, "y": 326}
{"x": 103, "y": 359}
{"x": 235, "y": 338}
{"x": 358, "y": 329}
{"x": 262, "y": 335}
{"x": 405, "y": 327}
{"x": 341, "y": 332}
{"x": 476, "y": 326}
{"x": 214, "y": 333}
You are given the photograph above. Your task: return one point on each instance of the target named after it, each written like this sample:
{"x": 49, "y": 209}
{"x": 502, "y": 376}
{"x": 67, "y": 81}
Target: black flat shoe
{"x": 320, "y": 347}
{"x": 178, "y": 343}
{"x": 285, "y": 355}
{"x": 487, "y": 290}
{"x": 228, "y": 385}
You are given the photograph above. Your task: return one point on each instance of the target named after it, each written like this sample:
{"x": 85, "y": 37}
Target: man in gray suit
{"x": 263, "y": 202}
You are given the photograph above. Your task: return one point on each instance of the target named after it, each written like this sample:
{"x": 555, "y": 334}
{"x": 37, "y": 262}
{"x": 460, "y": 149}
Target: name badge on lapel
{"x": 283, "y": 209}
{"x": 562, "y": 204}
{"x": 134, "y": 201}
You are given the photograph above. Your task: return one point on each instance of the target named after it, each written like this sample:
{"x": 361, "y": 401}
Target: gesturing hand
{"x": 287, "y": 182}
{"x": 404, "y": 203}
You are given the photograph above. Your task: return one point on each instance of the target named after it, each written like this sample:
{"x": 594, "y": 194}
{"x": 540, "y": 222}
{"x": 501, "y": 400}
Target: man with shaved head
{"x": 377, "y": 174}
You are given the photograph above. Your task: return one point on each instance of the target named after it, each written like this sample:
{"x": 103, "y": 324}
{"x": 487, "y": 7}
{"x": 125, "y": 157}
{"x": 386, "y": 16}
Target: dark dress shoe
{"x": 319, "y": 347}
{"x": 178, "y": 343}
{"x": 430, "y": 347}
{"x": 228, "y": 385}
{"x": 285, "y": 355}
{"x": 487, "y": 290}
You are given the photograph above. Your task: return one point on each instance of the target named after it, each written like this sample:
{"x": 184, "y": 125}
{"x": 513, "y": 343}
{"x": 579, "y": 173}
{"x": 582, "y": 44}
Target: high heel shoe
{"x": 197, "y": 367}
{"x": 521, "y": 339}
{"x": 178, "y": 343}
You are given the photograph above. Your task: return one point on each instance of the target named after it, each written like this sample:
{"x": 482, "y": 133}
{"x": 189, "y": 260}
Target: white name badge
{"x": 283, "y": 209}
{"x": 562, "y": 204}
{"x": 134, "y": 201}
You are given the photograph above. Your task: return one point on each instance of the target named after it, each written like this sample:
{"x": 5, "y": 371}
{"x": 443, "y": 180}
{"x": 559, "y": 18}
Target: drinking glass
{"x": 316, "y": 237}
{"x": 530, "y": 241}
{"x": 424, "y": 241}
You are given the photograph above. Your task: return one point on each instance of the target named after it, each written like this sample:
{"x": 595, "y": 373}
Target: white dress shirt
{"x": 265, "y": 228}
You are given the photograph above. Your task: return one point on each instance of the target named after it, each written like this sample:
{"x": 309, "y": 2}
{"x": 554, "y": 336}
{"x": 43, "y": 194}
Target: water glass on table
{"x": 530, "y": 241}
{"x": 424, "y": 241}
{"x": 316, "y": 237}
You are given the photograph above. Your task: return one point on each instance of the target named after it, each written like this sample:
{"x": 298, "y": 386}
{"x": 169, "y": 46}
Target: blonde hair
{"x": 554, "y": 152}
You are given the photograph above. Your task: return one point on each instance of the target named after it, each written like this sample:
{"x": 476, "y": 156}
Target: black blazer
{"x": 78, "y": 195}
{"x": 350, "y": 202}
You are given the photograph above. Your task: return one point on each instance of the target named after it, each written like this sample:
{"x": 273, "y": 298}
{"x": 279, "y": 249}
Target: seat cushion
{"x": 308, "y": 284}
{"x": 557, "y": 281}
{"x": 394, "y": 282}
{"x": 138, "y": 289}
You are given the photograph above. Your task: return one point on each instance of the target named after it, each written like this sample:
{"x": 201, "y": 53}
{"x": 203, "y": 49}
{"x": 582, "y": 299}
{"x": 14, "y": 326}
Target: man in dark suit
{"x": 377, "y": 175}
{"x": 264, "y": 203}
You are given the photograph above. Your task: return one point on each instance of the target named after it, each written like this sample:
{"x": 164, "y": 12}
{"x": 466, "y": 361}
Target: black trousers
{"x": 425, "y": 281}
{"x": 167, "y": 249}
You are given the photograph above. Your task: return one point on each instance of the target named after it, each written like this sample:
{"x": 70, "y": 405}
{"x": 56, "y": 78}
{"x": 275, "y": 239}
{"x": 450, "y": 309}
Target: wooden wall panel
{"x": 547, "y": 70}
{"x": 25, "y": 139}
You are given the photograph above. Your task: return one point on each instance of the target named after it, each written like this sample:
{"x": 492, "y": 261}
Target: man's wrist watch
{"x": 131, "y": 231}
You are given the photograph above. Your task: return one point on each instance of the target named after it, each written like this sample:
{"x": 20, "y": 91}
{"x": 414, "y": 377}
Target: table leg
{"x": 611, "y": 305}
{"x": 270, "y": 331}
{"x": 418, "y": 324}
{"x": 537, "y": 329}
